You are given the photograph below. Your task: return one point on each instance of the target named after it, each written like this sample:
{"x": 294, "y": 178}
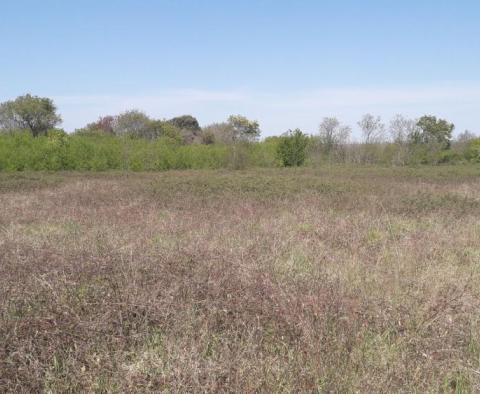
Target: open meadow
{"x": 330, "y": 279}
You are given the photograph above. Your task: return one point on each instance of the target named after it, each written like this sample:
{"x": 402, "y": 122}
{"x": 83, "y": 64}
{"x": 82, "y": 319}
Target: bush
{"x": 264, "y": 154}
{"x": 20, "y": 151}
{"x": 448, "y": 156}
{"x": 472, "y": 153}
{"x": 292, "y": 148}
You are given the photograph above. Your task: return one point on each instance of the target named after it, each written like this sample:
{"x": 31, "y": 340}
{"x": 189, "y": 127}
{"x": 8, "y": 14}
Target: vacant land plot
{"x": 290, "y": 280}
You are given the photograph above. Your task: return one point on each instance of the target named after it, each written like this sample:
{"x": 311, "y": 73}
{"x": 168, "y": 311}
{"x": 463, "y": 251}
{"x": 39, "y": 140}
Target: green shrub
{"x": 448, "y": 156}
{"x": 264, "y": 154}
{"x": 292, "y": 148}
{"x": 99, "y": 152}
{"x": 20, "y": 151}
{"x": 472, "y": 153}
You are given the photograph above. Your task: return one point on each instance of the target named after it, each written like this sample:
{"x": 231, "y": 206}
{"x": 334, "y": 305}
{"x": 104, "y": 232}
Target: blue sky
{"x": 286, "y": 63}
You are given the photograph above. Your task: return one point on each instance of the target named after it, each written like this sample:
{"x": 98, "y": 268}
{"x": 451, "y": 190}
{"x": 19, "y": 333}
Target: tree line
{"x": 38, "y": 115}
{"x": 403, "y": 141}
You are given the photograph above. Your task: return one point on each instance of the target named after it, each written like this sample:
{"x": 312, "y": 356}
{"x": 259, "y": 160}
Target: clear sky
{"x": 285, "y": 63}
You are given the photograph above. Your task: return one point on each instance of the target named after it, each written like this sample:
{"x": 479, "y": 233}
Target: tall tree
{"x": 104, "y": 125}
{"x": 186, "y": 122}
{"x": 218, "y": 133}
{"x": 37, "y": 114}
{"x": 244, "y": 129}
{"x": 332, "y": 133}
{"x": 401, "y": 127}
{"x": 466, "y": 136}
{"x": 134, "y": 123}
{"x": 372, "y": 128}
{"x": 433, "y": 131}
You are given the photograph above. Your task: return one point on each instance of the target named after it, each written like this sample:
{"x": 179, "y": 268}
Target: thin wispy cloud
{"x": 353, "y": 97}
{"x": 170, "y": 96}
{"x": 278, "y": 111}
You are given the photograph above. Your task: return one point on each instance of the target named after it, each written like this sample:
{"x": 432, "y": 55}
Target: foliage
{"x": 133, "y": 123}
{"x": 401, "y": 127}
{"x": 33, "y": 113}
{"x": 291, "y": 149}
{"x": 243, "y": 129}
{"x": 187, "y": 122}
{"x": 372, "y": 128}
{"x": 218, "y": 133}
{"x": 161, "y": 128}
{"x": 188, "y": 128}
{"x": 57, "y": 150}
{"x": 433, "y": 131}
{"x": 132, "y": 140}
{"x": 472, "y": 153}
{"x": 466, "y": 136}
{"x": 104, "y": 125}
{"x": 208, "y": 137}
{"x": 236, "y": 129}
{"x": 332, "y": 134}
{"x": 99, "y": 151}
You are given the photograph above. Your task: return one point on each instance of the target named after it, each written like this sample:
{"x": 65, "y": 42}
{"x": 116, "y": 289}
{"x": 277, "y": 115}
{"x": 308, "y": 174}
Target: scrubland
{"x": 334, "y": 279}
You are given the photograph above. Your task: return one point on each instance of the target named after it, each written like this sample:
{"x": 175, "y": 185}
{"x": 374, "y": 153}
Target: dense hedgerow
{"x": 57, "y": 151}
{"x": 60, "y": 151}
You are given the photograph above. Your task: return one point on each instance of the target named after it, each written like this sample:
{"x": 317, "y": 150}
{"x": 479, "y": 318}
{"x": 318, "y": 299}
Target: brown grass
{"x": 332, "y": 280}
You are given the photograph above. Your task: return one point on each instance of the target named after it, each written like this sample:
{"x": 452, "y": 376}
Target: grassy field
{"x": 284, "y": 280}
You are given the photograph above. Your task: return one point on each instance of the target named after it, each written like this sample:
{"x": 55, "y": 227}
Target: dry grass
{"x": 332, "y": 280}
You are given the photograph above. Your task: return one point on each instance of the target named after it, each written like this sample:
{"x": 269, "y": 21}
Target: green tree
{"x": 188, "y": 127}
{"x": 218, "y": 133}
{"x": 472, "y": 153}
{"x": 133, "y": 123}
{"x": 373, "y": 129}
{"x": 162, "y": 128}
{"x": 243, "y": 129}
{"x": 33, "y": 113}
{"x": 292, "y": 148}
{"x": 185, "y": 122}
{"x": 433, "y": 131}
{"x": 333, "y": 134}
{"x": 400, "y": 128}
{"x": 103, "y": 126}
